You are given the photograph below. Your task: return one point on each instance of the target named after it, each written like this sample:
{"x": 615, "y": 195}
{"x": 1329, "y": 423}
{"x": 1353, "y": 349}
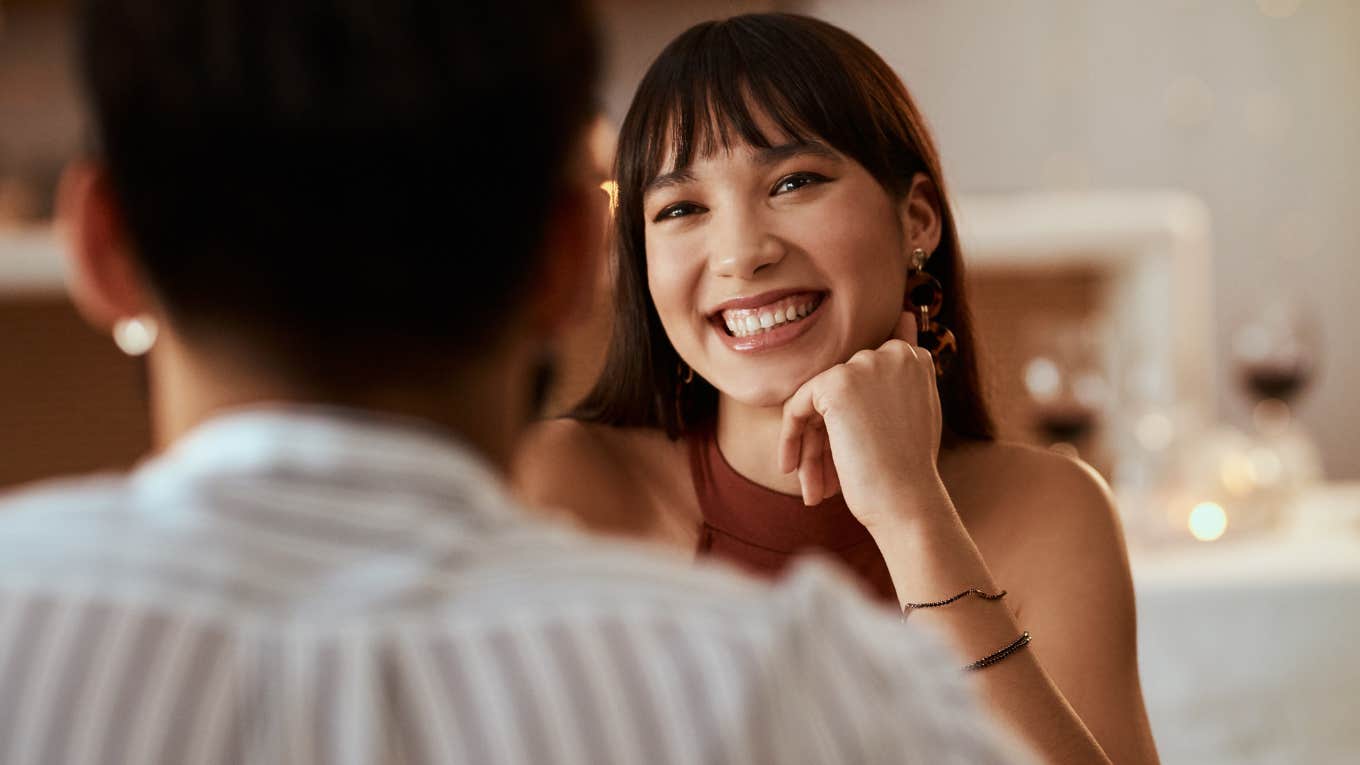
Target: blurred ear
{"x": 921, "y": 219}
{"x": 103, "y": 279}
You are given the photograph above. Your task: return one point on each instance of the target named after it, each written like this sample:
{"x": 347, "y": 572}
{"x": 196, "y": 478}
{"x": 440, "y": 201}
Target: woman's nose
{"x": 741, "y": 247}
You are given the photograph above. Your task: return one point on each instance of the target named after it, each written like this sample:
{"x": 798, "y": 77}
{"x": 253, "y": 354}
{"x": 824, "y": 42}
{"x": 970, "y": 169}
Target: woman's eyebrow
{"x": 765, "y": 157}
{"x": 666, "y": 180}
{"x": 775, "y": 154}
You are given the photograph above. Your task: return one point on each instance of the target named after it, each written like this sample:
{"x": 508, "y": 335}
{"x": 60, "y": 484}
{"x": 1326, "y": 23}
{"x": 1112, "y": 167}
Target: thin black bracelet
{"x": 987, "y": 661}
{"x": 907, "y": 608}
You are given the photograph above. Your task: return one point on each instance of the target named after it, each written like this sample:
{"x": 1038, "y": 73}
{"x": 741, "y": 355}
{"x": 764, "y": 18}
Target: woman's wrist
{"x": 911, "y": 507}
{"x": 928, "y": 550}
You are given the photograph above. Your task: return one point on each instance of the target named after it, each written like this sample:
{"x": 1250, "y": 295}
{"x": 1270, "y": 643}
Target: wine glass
{"x": 1066, "y": 384}
{"x": 1275, "y": 353}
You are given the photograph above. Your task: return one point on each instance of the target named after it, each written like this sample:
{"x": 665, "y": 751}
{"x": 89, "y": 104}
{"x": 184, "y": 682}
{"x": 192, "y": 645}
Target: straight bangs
{"x": 715, "y": 85}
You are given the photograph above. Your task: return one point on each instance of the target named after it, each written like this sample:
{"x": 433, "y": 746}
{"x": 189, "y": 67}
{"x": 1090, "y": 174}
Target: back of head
{"x": 337, "y": 186}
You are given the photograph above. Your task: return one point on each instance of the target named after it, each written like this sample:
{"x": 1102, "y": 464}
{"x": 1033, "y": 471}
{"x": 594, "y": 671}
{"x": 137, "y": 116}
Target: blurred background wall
{"x": 39, "y": 115}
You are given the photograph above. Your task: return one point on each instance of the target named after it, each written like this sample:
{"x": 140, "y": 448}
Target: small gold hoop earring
{"x": 684, "y": 375}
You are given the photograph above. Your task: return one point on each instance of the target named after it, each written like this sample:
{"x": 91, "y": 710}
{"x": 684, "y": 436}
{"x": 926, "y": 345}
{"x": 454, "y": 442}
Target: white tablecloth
{"x": 1249, "y": 649}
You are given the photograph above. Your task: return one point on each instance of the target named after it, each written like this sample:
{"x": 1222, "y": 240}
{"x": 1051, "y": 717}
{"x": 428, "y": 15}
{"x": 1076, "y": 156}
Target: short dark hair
{"x": 351, "y": 187}
{"x": 814, "y": 81}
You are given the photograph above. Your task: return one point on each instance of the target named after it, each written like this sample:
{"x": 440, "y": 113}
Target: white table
{"x": 1250, "y": 650}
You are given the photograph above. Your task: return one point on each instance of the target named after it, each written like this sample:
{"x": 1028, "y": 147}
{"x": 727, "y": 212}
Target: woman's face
{"x": 769, "y": 266}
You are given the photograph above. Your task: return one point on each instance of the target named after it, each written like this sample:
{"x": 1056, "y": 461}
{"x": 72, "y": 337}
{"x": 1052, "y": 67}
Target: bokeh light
{"x": 1208, "y": 521}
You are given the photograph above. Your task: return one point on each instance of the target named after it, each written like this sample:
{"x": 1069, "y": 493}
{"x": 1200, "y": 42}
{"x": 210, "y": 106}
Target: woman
{"x": 792, "y": 369}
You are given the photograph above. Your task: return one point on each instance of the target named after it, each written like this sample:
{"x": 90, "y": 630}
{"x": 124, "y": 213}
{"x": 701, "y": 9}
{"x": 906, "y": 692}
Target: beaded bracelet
{"x": 987, "y": 661}
{"x": 907, "y": 608}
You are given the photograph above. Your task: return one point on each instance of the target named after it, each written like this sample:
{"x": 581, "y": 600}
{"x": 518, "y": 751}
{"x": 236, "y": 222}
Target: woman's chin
{"x": 772, "y": 381}
{"x": 762, "y": 394}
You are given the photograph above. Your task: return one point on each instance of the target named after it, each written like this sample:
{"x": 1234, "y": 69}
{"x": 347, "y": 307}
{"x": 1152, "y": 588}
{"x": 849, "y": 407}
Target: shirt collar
{"x": 328, "y": 444}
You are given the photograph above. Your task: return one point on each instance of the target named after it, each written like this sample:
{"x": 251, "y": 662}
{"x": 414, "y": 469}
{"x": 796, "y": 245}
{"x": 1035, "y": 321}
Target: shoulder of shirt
{"x": 57, "y": 499}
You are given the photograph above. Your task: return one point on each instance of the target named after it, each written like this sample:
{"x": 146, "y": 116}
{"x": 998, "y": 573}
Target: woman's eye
{"x": 797, "y": 181}
{"x": 677, "y": 210}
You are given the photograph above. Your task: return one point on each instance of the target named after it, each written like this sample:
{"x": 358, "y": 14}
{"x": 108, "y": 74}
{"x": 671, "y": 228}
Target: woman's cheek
{"x": 889, "y": 294}
{"x": 872, "y": 291}
{"x": 672, "y": 298}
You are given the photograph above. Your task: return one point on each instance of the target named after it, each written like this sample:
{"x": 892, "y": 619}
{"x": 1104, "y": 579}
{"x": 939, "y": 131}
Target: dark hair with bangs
{"x": 703, "y": 92}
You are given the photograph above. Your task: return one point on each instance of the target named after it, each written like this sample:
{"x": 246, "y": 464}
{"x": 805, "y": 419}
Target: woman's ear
{"x": 103, "y": 278}
{"x": 921, "y": 214}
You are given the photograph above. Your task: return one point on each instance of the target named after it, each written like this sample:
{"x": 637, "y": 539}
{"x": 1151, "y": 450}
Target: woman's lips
{"x": 807, "y": 310}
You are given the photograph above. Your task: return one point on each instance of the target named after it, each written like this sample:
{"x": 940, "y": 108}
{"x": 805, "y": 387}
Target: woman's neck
{"x": 748, "y": 437}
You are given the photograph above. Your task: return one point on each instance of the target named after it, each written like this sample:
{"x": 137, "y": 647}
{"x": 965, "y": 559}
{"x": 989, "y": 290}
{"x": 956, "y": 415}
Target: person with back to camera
{"x": 356, "y": 224}
{"x": 792, "y": 369}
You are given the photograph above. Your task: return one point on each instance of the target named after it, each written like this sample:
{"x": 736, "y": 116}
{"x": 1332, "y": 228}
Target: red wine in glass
{"x": 1281, "y": 381}
{"x": 1065, "y": 423}
{"x": 1274, "y": 352}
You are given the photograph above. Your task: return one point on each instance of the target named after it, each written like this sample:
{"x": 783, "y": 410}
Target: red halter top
{"x": 762, "y": 530}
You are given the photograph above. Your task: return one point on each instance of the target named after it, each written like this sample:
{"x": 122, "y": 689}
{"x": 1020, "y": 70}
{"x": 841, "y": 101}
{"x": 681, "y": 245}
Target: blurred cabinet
{"x": 69, "y": 401}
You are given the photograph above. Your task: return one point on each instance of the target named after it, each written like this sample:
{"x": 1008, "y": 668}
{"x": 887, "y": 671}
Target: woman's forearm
{"x": 931, "y": 556}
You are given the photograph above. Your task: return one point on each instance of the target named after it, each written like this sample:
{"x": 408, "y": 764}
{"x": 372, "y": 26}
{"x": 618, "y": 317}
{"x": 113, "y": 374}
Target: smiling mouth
{"x": 751, "y": 322}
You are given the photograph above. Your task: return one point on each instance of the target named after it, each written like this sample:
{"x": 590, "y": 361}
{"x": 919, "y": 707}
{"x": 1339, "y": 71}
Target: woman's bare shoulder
{"x": 592, "y": 445}
{"x": 596, "y": 474}
{"x": 1068, "y": 490}
{"x": 1013, "y": 478}
{"x": 1043, "y": 521}
{"x": 1060, "y": 506}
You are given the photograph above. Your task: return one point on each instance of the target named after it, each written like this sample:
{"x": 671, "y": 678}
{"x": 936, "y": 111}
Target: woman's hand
{"x": 869, "y": 428}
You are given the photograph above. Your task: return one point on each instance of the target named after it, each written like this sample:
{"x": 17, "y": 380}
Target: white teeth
{"x": 743, "y": 324}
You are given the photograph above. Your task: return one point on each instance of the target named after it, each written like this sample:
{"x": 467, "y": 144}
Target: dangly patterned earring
{"x": 925, "y": 298}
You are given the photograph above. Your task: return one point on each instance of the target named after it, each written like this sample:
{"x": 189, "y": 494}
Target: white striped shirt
{"x": 292, "y": 585}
